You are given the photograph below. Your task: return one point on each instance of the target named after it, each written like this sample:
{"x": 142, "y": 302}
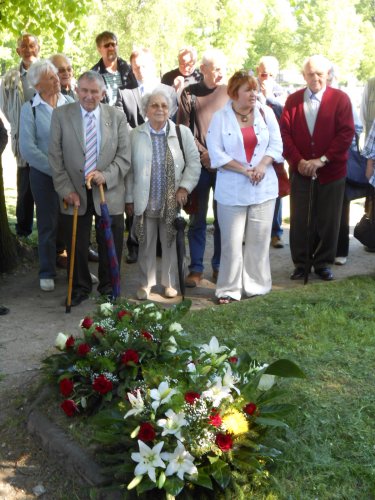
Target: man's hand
{"x": 370, "y": 165}
{"x": 129, "y": 209}
{"x": 308, "y": 168}
{"x": 72, "y": 199}
{"x": 96, "y": 177}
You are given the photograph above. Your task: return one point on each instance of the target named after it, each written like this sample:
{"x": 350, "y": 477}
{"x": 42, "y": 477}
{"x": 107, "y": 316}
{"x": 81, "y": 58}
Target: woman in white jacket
{"x": 159, "y": 182}
{"x": 243, "y": 141}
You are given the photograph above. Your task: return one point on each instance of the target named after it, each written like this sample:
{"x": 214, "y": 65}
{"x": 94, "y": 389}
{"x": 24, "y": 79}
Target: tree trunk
{"x": 8, "y": 249}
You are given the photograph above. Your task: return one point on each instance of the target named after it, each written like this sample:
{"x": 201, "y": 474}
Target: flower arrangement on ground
{"x": 171, "y": 416}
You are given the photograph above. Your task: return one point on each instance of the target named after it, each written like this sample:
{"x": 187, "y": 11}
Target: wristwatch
{"x": 324, "y": 159}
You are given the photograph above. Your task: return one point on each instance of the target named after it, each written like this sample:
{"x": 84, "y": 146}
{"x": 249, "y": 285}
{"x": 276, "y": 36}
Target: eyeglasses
{"x": 109, "y": 44}
{"x": 65, "y": 70}
{"x": 264, "y": 75}
{"x": 156, "y": 105}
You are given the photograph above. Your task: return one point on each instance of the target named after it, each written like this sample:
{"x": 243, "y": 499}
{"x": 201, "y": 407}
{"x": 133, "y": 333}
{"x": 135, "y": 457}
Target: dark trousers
{"x": 131, "y": 242}
{"x": 343, "y": 241}
{"x": 326, "y": 213}
{"x": 25, "y": 203}
{"x": 81, "y": 277}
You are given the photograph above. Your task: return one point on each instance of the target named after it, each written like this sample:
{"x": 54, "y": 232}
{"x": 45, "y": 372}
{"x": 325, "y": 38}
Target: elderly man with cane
{"x": 90, "y": 140}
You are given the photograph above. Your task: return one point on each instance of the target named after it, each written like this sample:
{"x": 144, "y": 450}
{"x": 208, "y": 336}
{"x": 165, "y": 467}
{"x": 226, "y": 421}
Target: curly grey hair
{"x": 38, "y": 68}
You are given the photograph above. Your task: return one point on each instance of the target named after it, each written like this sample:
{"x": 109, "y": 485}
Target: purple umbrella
{"x": 105, "y": 224}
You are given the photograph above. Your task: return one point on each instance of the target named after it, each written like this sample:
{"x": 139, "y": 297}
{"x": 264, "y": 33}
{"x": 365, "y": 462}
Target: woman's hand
{"x": 181, "y": 196}
{"x": 257, "y": 173}
{"x": 129, "y": 209}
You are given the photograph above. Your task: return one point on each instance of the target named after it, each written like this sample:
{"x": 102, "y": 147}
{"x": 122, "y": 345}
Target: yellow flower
{"x": 235, "y": 423}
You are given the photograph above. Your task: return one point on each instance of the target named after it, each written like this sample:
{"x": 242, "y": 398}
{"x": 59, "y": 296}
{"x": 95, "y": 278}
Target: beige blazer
{"x": 139, "y": 178}
{"x": 67, "y": 156}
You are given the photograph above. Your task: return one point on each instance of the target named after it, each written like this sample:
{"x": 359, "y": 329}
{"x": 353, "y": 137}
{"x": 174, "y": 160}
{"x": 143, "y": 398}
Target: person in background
{"x": 115, "y": 71}
{"x": 15, "y": 91}
{"x": 243, "y": 140}
{"x": 317, "y": 128}
{"x": 35, "y": 123}
{"x": 90, "y": 141}
{"x": 369, "y": 153}
{"x": 186, "y": 73}
{"x": 159, "y": 181}
{"x": 272, "y": 94}
{"x": 65, "y": 74}
{"x": 198, "y": 103}
{"x": 3, "y": 142}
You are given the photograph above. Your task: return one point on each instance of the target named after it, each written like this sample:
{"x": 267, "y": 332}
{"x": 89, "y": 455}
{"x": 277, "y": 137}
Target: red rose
{"x": 100, "y": 329}
{"x": 146, "y": 432}
{"x": 87, "y": 322}
{"x": 146, "y": 335}
{"x": 215, "y": 419}
{"x": 66, "y": 387}
{"x": 224, "y": 442}
{"x": 190, "y": 397}
{"x": 83, "y": 349}
{"x": 233, "y": 359}
{"x": 250, "y": 408}
{"x": 129, "y": 356}
{"x": 102, "y": 385}
{"x": 69, "y": 342}
{"x": 121, "y": 314}
{"x": 69, "y": 407}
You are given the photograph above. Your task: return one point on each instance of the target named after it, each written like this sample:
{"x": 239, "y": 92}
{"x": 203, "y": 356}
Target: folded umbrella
{"x": 180, "y": 224}
{"x": 71, "y": 258}
{"x": 309, "y": 230}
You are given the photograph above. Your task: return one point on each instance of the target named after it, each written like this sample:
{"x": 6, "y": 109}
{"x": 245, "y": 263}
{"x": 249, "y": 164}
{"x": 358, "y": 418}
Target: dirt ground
{"x": 27, "y": 336}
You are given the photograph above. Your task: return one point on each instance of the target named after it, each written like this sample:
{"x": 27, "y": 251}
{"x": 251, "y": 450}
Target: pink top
{"x": 249, "y": 141}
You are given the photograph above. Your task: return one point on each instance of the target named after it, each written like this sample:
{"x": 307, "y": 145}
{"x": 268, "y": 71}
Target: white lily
{"x": 161, "y": 395}
{"x": 229, "y": 380}
{"x": 217, "y": 392}
{"x": 172, "y": 347}
{"x": 136, "y": 402}
{"x": 148, "y": 459}
{"x": 61, "y": 341}
{"x": 175, "y": 328}
{"x": 180, "y": 462}
{"x": 172, "y": 424}
{"x": 266, "y": 382}
{"x": 213, "y": 347}
{"x": 106, "y": 309}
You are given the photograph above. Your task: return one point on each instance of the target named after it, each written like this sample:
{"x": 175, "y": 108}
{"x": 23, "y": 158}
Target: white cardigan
{"x": 139, "y": 177}
{"x": 225, "y": 143}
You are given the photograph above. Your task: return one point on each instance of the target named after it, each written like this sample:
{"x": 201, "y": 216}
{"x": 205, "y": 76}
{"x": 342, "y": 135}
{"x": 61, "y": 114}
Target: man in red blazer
{"x": 317, "y": 129}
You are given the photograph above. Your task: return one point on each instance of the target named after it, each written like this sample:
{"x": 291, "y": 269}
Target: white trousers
{"x": 147, "y": 255}
{"x": 245, "y": 268}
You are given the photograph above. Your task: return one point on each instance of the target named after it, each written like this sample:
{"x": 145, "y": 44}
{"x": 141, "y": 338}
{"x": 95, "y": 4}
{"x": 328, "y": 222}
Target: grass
{"x": 328, "y": 451}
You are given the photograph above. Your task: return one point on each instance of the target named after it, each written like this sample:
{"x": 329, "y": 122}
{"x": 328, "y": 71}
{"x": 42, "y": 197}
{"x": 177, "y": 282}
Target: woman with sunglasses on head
{"x": 160, "y": 179}
{"x": 243, "y": 141}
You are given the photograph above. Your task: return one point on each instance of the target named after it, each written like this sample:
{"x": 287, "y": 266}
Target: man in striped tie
{"x": 90, "y": 139}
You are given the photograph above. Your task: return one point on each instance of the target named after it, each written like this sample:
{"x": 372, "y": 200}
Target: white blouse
{"x": 225, "y": 143}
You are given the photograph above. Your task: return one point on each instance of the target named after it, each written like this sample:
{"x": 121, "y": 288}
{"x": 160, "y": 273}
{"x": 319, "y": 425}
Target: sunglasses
{"x": 263, "y": 75}
{"x": 109, "y": 44}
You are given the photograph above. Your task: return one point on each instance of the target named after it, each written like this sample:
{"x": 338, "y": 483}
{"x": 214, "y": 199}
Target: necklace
{"x": 244, "y": 118}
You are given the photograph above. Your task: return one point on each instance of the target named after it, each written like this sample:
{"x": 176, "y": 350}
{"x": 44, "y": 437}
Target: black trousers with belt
{"x": 81, "y": 277}
{"x": 327, "y": 204}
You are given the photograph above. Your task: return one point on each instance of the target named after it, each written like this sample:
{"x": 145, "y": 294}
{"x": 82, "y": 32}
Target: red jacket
{"x": 333, "y": 133}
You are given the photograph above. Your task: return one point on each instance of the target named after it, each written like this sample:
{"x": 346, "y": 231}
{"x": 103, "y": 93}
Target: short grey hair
{"x": 157, "y": 92}
{"x": 213, "y": 56}
{"x": 63, "y": 56}
{"x": 188, "y": 50}
{"x": 39, "y": 68}
{"x": 92, "y": 76}
{"x": 319, "y": 61}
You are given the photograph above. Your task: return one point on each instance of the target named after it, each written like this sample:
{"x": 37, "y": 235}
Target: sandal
{"x": 225, "y": 300}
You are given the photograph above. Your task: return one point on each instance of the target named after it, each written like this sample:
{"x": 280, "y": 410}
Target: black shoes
{"x": 298, "y": 273}
{"x": 78, "y": 297}
{"x": 324, "y": 273}
{"x": 132, "y": 255}
{"x": 3, "y": 310}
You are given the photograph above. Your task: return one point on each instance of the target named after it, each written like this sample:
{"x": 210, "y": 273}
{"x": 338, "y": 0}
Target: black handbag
{"x": 364, "y": 230}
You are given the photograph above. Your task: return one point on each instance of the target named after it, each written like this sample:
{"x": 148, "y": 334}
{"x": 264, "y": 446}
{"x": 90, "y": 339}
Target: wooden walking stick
{"x": 72, "y": 255}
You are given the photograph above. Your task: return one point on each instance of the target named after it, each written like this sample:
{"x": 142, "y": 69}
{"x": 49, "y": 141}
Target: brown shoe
{"x": 193, "y": 279}
{"x": 62, "y": 261}
{"x": 277, "y": 242}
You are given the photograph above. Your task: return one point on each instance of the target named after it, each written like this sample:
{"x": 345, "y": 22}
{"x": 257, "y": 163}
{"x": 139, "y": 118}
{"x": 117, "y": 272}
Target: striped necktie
{"x": 91, "y": 153}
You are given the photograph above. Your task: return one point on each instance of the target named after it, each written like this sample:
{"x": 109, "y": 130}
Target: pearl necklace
{"x": 244, "y": 118}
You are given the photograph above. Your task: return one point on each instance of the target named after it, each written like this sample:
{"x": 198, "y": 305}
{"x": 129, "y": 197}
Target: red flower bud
{"x": 87, "y": 322}
{"x": 69, "y": 407}
{"x": 102, "y": 385}
{"x": 233, "y": 359}
{"x": 83, "y": 349}
{"x": 224, "y": 442}
{"x": 190, "y": 397}
{"x": 129, "y": 356}
{"x": 69, "y": 342}
{"x": 250, "y": 408}
{"x": 146, "y": 335}
{"x": 121, "y": 314}
{"x": 146, "y": 432}
{"x": 100, "y": 329}
{"x": 215, "y": 419}
{"x": 66, "y": 387}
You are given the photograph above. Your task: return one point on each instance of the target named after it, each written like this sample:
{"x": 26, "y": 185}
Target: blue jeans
{"x": 198, "y": 225}
{"x": 47, "y": 215}
{"x": 277, "y": 230}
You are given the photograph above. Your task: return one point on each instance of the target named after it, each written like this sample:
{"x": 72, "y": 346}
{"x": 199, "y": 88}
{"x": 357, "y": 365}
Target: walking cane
{"x": 72, "y": 255}
{"x": 309, "y": 230}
